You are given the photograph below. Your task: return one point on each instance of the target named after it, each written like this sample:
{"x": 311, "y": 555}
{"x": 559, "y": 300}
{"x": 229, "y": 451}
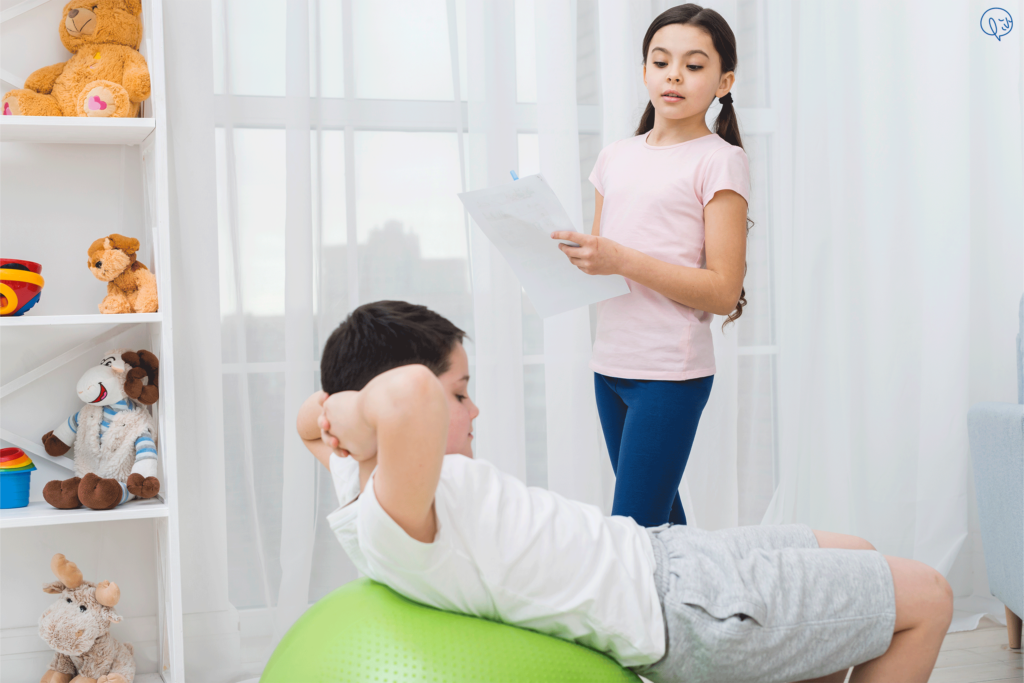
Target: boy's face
{"x": 461, "y": 409}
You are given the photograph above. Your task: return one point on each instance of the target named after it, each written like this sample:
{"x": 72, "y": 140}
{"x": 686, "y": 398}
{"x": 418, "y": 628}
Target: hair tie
{"x": 725, "y": 99}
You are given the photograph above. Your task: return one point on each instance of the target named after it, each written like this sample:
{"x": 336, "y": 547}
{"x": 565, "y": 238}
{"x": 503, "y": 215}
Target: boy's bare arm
{"x": 401, "y": 418}
{"x": 309, "y": 431}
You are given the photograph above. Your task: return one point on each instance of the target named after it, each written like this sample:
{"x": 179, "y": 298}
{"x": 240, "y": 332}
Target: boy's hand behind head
{"x": 344, "y": 429}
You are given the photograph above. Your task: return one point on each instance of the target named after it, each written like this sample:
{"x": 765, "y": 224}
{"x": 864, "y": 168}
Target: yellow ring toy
{"x": 12, "y": 299}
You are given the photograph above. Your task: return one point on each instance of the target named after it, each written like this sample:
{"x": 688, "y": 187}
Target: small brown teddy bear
{"x": 106, "y": 76}
{"x": 131, "y": 286}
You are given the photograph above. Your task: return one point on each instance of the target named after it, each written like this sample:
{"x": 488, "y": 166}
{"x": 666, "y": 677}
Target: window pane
{"x": 588, "y": 61}
{"x": 401, "y": 50}
{"x": 755, "y": 437}
{"x": 254, "y": 58}
{"x": 265, "y": 395}
{"x": 536, "y": 425}
{"x": 526, "y": 52}
{"x": 751, "y": 83}
{"x": 755, "y": 326}
{"x": 334, "y": 269}
{"x": 332, "y": 54}
{"x": 590, "y": 148}
{"x": 259, "y": 200}
{"x": 412, "y": 239}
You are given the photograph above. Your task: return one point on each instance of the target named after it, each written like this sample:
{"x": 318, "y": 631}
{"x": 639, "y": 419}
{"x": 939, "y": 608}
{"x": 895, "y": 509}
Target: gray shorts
{"x": 765, "y": 603}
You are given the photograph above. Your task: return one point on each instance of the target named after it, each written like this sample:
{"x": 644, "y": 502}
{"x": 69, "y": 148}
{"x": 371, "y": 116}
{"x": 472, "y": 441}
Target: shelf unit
{"x": 49, "y": 344}
{"x": 63, "y": 131}
{"x": 29, "y": 320}
{"x": 41, "y": 514}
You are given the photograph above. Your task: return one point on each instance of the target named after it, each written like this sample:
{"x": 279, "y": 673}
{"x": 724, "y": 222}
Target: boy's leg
{"x": 924, "y": 609}
{"x": 829, "y": 539}
{"x": 837, "y": 677}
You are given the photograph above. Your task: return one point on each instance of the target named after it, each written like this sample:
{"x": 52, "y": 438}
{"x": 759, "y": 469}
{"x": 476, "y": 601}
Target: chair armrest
{"x": 996, "y": 432}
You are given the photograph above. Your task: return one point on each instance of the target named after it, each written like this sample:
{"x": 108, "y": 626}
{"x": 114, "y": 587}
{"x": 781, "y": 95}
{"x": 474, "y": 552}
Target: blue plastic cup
{"x": 14, "y": 489}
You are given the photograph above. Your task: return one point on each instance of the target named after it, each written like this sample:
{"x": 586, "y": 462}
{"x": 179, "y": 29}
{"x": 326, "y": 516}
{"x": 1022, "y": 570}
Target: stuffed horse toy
{"x": 115, "y": 454}
{"x": 77, "y": 627}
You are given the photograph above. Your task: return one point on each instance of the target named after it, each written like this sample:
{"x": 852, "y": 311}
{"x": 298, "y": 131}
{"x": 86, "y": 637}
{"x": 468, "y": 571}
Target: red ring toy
{"x": 20, "y": 285}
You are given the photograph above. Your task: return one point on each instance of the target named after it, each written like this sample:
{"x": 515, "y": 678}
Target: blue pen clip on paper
{"x": 514, "y": 176}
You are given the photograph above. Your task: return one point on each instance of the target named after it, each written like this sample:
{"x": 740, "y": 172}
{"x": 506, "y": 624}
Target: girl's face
{"x": 461, "y": 409}
{"x": 683, "y": 72}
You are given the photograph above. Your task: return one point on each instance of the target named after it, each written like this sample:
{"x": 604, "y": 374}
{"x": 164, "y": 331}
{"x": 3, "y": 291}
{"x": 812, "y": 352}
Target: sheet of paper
{"x": 519, "y": 217}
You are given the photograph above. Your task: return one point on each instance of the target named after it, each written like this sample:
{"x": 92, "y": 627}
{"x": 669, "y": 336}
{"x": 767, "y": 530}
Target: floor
{"x": 982, "y": 655}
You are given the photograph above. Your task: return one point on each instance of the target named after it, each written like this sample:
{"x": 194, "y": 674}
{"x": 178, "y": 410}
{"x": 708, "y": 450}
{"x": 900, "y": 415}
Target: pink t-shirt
{"x": 654, "y": 201}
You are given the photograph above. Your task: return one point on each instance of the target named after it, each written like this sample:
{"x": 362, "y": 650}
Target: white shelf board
{"x": 29, "y": 320}
{"x": 75, "y": 130}
{"x": 43, "y": 514}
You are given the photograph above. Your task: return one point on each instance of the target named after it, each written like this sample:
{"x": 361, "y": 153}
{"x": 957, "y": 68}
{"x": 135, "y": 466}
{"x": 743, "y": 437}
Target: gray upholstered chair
{"x": 996, "y": 432}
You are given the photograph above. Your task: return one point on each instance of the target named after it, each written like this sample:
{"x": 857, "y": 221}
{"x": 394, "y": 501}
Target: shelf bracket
{"x": 35, "y": 448}
{"x": 20, "y": 9}
{"x": 64, "y": 358}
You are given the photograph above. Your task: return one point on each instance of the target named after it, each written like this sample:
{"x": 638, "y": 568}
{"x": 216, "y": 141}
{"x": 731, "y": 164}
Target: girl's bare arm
{"x": 714, "y": 288}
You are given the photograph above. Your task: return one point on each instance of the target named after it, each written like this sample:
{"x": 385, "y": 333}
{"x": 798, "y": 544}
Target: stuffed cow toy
{"x": 77, "y": 627}
{"x": 115, "y": 453}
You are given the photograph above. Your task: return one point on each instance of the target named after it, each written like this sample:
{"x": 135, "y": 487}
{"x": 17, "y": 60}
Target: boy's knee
{"x": 944, "y": 595}
{"x": 865, "y": 544}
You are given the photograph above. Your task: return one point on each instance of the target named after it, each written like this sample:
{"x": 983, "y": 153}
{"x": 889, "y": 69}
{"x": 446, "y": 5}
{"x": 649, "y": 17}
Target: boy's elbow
{"x": 413, "y": 388}
{"x": 415, "y": 383}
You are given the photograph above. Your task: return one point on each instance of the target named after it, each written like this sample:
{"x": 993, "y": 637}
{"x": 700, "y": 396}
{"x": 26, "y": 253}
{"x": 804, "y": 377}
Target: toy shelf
{"x": 75, "y": 130}
{"x": 42, "y": 514}
{"x": 117, "y": 172}
{"x": 93, "y": 319}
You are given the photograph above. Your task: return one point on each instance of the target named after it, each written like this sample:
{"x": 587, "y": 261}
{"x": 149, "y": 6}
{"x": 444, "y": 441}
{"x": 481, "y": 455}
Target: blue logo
{"x": 996, "y": 22}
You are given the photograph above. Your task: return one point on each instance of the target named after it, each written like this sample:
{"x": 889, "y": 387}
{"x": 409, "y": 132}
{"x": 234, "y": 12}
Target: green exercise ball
{"x": 364, "y": 631}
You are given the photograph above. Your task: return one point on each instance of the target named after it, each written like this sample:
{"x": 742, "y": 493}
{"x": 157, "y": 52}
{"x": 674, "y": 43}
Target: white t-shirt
{"x": 511, "y": 553}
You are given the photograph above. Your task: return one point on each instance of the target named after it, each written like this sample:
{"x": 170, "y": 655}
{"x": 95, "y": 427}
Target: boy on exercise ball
{"x": 421, "y": 515}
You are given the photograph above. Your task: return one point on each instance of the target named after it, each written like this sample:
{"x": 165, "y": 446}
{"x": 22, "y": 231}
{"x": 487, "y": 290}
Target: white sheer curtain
{"x": 847, "y": 379}
{"x": 326, "y": 187}
{"x": 884, "y": 264}
{"x": 880, "y": 337}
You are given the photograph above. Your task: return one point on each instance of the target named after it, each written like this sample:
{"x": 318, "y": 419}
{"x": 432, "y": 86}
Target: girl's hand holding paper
{"x": 595, "y": 255}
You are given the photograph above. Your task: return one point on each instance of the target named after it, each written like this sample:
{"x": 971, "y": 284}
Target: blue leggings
{"x": 649, "y": 427}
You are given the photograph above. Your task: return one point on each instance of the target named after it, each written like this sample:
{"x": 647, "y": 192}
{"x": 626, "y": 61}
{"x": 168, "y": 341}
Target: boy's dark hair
{"x": 382, "y": 336}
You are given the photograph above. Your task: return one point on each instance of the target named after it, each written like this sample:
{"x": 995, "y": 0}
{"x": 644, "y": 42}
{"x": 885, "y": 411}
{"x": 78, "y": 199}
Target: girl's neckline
{"x": 678, "y": 144}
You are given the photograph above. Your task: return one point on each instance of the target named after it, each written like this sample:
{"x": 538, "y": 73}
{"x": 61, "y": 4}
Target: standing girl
{"x": 671, "y": 217}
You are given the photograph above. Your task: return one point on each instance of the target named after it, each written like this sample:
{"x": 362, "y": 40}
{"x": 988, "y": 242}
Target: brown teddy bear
{"x": 105, "y": 77}
{"x": 131, "y": 287}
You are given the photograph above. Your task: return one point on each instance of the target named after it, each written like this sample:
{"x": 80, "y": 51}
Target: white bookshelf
{"x": 41, "y": 514}
{"x": 85, "y": 131}
{"x": 123, "y": 164}
{"x": 29, "y": 320}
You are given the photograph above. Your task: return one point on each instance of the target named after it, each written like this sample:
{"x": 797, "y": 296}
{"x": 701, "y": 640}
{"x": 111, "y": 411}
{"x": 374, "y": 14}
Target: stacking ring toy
{"x": 20, "y": 286}
{"x": 364, "y": 631}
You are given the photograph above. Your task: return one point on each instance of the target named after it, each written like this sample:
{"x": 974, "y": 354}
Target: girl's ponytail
{"x": 646, "y": 120}
{"x": 727, "y": 125}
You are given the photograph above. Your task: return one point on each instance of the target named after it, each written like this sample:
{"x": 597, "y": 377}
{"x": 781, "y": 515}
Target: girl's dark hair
{"x": 726, "y": 125}
{"x": 384, "y": 335}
